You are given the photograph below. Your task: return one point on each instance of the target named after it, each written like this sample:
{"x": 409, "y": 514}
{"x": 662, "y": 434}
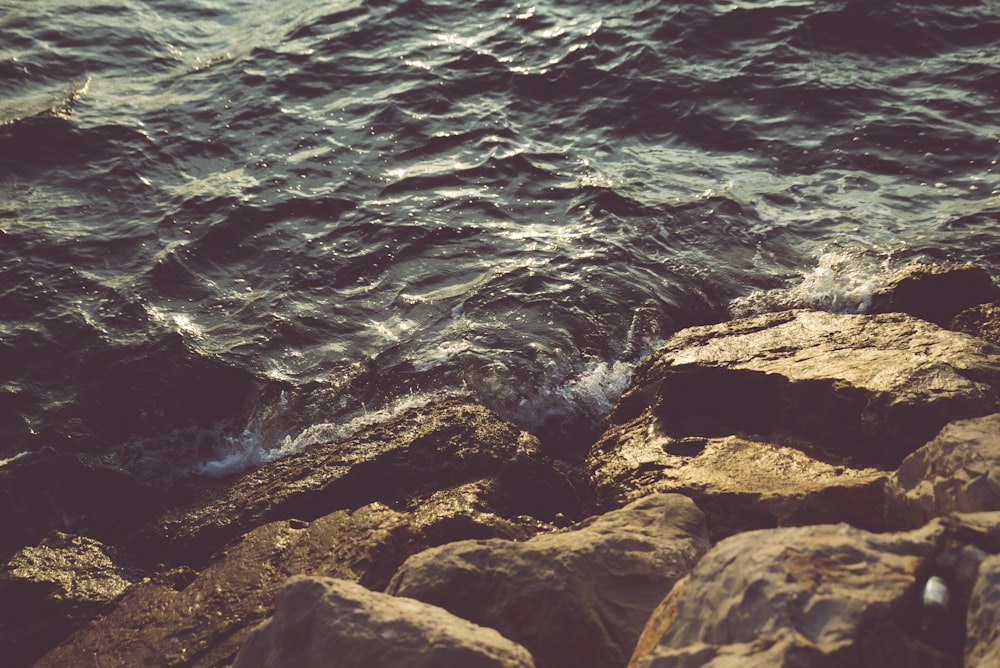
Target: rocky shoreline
{"x": 774, "y": 490}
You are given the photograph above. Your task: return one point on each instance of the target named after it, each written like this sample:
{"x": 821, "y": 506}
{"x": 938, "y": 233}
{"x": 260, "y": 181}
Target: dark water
{"x": 230, "y": 227}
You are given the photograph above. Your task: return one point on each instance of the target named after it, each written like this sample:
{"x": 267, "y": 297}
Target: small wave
{"x": 4, "y": 461}
{"x": 840, "y": 282}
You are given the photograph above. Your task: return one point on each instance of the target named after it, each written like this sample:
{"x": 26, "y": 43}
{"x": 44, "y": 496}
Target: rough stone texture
{"x": 740, "y": 484}
{"x": 411, "y": 457}
{"x": 935, "y": 292}
{"x": 982, "y": 320}
{"x": 51, "y": 589}
{"x": 828, "y": 595}
{"x": 328, "y": 623}
{"x": 851, "y": 390}
{"x": 576, "y": 598}
{"x": 957, "y": 471}
{"x": 983, "y": 626}
{"x": 188, "y": 618}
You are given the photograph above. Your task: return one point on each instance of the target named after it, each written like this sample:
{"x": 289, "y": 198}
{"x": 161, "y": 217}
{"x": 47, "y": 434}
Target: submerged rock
{"x": 328, "y": 623}
{"x": 73, "y": 492}
{"x": 957, "y": 471}
{"x": 403, "y": 460}
{"x": 576, "y": 598}
{"x": 49, "y": 590}
{"x": 935, "y": 293}
{"x": 823, "y": 595}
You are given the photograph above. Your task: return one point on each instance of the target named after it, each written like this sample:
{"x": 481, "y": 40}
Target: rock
{"x": 982, "y": 320}
{"x": 957, "y": 471}
{"x": 49, "y": 491}
{"x": 828, "y": 595}
{"x": 739, "y": 484}
{"x": 187, "y": 618}
{"x": 408, "y": 458}
{"x": 983, "y": 623}
{"x": 851, "y": 389}
{"x": 328, "y": 623}
{"x": 574, "y": 598}
{"x": 50, "y": 590}
{"x": 935, "y": 293}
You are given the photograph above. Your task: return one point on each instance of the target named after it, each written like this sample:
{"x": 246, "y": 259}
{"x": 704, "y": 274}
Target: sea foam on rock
{"x": 576, "y": 598}
{"x": 328, "y": 623}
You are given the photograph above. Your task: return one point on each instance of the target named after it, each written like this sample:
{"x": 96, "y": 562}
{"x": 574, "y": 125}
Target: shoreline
{"x": 791, "y": 419}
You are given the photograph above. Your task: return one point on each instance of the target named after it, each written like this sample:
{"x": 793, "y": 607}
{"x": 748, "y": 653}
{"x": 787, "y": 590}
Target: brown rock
{"x": 423, "y": 451}
{"x": 328, "y": 623}
{"x": 188, "y": 618}
{"x": 935, "y": 293}
{"x": 739, "y": 484}
{"x": 574, "y": 598}
{"x": 982, "y": 646}
{"x": 957, "y": 471}
{"x": 828, "y": 595}
{"x": 49, "y": 590}
{"x": 982, "y": 320}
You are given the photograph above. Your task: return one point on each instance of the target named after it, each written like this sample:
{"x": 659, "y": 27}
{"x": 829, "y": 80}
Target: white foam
{"x": 587, "y": 395}
{"x": 841, "y": 282}
{"x": 14, "y": 458}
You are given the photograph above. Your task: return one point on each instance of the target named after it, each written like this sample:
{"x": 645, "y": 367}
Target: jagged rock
{"x": 935, "y": 293}
{"x": 982, "y": 320}
{"x": 410, "y": 457}
{"x": 576, "y": 598}
{"x": 828, "y": 595}
{"x": 188, "y": 618}
{"x": 851, "y": 391}
{"x": 739, "y": 484}
{"x": 73, "y": 492}
{"x": 982, "y": 646}
{"x": 328, "y": 623}
{"x": 957, "y": 471}
{"x": 51, "y": 589}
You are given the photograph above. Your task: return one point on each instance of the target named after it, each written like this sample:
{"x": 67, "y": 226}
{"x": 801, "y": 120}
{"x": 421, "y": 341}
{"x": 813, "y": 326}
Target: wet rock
{"x": 50, "y": 491}
{"x": 411, "y": 457}
{"x": 935, "y": 293}
{"x": 184, "y": 617}
{"x": 828, "y": 595}
{"x": 982, "y": 320}
{"x": 574, "y": 598}
{"x": 957, "y": 471}
{"x": 51, "y": 589}
{"x": 983, "y": 627}
{"x": 326, "y": 623}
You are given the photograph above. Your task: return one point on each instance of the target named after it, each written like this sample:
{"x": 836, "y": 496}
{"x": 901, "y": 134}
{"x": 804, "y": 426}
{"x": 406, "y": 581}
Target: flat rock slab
{"x": 328, "y": 623}
{"x": 957, "y": 471}
{"x": 872, "y": 387}
{"x": 410, "y": 457}
{"x": 576, "y": 598}
{"x": 828, "y": 595}
{"x": 739, "y": 483}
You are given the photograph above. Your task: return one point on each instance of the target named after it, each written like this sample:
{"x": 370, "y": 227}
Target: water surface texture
{"x": 232, "y": 227}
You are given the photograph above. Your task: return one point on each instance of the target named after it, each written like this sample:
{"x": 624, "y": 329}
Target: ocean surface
{"x": 230, "y": 228}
